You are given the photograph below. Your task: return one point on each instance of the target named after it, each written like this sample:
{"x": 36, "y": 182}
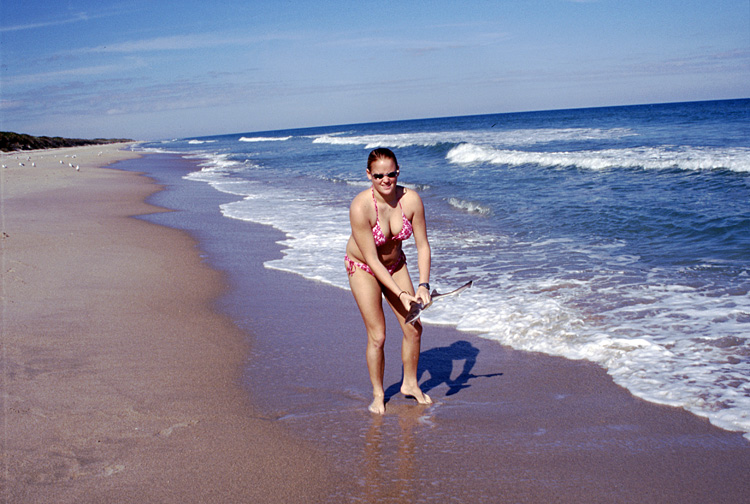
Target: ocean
{"x": 617, "y": 235}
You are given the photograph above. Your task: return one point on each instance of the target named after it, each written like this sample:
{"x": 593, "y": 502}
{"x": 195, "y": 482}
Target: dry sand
{"x": 119, "y": 383}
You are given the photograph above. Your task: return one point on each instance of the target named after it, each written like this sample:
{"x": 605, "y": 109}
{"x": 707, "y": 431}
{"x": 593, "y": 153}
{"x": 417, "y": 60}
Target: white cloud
{"x": 67, "y": 18}
{"x": 173, "y": 43}
{"x": 41, "y": 77}
{"x": 81, "y": 16}
{"x": 184, "y": 42}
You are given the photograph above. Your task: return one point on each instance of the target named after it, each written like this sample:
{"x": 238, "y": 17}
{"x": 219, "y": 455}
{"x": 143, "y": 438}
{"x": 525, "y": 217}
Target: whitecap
{"x": 264, "y": 139}
{"x": 469, "y": 206}
{"x": 486, "y": 137}
{"x": 664, "y": 157}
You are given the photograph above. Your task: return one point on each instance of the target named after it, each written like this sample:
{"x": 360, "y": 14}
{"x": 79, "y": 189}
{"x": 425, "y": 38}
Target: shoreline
{"x": 120, "y": 382}
{"x": 507, "y": 425}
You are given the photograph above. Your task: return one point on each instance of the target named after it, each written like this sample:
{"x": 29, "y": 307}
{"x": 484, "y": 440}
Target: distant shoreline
{"x": 13, "y": 142}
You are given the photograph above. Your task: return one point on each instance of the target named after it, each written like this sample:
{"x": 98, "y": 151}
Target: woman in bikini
{"x": 382, "y": 216}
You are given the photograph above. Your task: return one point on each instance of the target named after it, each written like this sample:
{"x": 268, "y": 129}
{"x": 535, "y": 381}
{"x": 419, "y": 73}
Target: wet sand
{"x": 119, "y": 383}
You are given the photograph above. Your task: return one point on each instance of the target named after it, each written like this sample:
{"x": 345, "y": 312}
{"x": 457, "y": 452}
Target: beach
{"x": 140, "y": 366}
{"x": 120, "y": 384}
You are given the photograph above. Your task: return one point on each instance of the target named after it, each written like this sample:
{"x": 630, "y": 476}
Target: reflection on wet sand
{"x": 390, "y": 456}
{"x": 393, "y": 443}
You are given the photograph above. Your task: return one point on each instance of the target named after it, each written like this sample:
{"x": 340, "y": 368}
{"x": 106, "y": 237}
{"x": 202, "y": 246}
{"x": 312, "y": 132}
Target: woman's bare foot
{"x": 417, "y": 394}
{"x": 378, "y": 405}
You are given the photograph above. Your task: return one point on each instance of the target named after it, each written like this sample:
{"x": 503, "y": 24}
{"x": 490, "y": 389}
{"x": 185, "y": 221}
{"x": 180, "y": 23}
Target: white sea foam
{"x": 214, "y": 162}
{"x": 469, "y": 206}
{"x": 155, "y": 150}
{"x": 199, "y": 142}
{"x": 686, "y": 158}
{"x": 304, "y": 253}
{"x": 265, "y": 139}
{"x": 646, "y": 352}
{"x": 489, "y": 137}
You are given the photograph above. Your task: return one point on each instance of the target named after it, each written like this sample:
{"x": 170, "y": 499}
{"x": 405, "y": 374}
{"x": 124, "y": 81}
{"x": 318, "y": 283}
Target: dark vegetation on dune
{"x": 10, "y": 142}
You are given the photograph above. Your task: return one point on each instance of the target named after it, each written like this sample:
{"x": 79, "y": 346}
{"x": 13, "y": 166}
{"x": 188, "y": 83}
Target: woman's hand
{"x": 423, "y": 295}
{"x": 407, "y": 299}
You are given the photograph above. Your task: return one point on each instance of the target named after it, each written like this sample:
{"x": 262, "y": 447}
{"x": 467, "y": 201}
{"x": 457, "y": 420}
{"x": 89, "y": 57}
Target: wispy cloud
{"x": 10, "y": 104}
{"x": 68, "y": 18}
{"x": 172, "y": 43}
{"x": 701, "y": 63}
{"x": 415, "y": 45}
{"x": 59, "y": 75}
{"x": 61, "y": 16}
{"x": 94, "y": 94}
{"x": 184, "y": 43}
{"x": 472, "y": 41}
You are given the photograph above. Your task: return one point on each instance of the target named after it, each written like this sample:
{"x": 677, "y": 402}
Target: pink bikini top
{"x": 377, "y": 233}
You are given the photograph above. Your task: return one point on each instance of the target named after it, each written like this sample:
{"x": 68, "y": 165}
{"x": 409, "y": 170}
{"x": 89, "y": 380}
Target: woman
{"x": 382, "y": 216}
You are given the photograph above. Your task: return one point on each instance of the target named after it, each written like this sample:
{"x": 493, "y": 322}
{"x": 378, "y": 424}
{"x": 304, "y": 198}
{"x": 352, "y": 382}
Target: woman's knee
{"x": 376, "y": 338}
{"x": 413, "y": 331}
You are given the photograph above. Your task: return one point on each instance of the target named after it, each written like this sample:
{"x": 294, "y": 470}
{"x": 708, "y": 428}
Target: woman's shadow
{"x": 438, "y": 362}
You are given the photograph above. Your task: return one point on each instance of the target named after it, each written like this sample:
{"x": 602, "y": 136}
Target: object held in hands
{"x": 416, "y": 308}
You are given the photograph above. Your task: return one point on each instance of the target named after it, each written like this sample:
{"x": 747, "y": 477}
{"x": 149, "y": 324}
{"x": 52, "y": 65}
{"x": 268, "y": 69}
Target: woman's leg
{"x": 368, "y": 295}
{"x": 411, "y": 342}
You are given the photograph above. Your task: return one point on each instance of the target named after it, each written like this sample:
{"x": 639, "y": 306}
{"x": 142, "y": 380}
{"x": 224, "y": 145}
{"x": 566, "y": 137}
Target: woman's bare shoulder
{"x": 360, "y": 202}
{"x": 410, "y": 196}
{"x": 361, "y": 197}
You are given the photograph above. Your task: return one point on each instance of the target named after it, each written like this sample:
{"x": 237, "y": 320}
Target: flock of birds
{"x": 28, "y": 158}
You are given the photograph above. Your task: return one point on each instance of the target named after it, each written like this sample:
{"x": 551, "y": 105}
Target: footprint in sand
{"x": 168, "y": 431}
{"x": 113, "y": 469}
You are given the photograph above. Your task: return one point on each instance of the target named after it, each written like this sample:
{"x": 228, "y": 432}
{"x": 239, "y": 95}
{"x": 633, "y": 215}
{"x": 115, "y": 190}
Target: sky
{"x": 151, "y": 70}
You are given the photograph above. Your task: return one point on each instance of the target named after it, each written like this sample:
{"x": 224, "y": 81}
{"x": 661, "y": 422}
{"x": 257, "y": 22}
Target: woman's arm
{"x": 424, "y": 252}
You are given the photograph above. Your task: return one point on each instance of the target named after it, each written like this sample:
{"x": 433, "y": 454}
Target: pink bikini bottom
{"x": 351, "y": 265}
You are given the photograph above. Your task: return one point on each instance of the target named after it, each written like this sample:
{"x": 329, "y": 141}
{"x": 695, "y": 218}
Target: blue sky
{"x": 148, "y": 69}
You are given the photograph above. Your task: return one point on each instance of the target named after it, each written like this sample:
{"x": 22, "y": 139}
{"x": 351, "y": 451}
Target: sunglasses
{"x": 378, "y": 176}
